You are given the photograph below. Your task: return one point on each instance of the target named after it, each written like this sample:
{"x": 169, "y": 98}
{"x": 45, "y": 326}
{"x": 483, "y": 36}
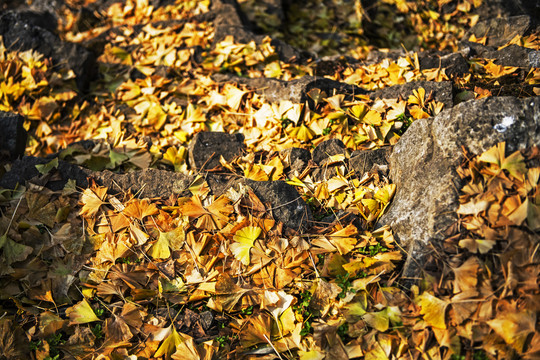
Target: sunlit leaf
{"x": 168, "y": 346}
{"x": 433, "y": 310}
{"x": 167, "y": 242}
{"x": 81, "y": 313}
{"x": 244, "y": 240}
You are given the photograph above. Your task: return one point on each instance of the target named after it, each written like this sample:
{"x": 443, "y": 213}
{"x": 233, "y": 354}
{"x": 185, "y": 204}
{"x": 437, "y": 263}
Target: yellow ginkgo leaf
{"x": 167, "y": 241}
{"x": 168, "y": 346}
{"x": 433, "y": 309}
{"x": 244, "y": 240}
{"x": 418, "y": 97}
{"x": 301, "y": 133}
{"x": 92, "y": 199}
{"x": 176, "y": 157}
{"x": 81, "y": 313}
{"x": 494, "y": 155}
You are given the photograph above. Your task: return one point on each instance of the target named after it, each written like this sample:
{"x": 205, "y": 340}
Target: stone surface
{"x": 423, "y": 165}
{"x": 13, "y": 136}
{"x": 454, "y": 63}
{"x": 326, "y": 149}
{"x": 362, "y": 161}
{"x": 281, "y": 199}
{"x": 442, "y": 91}
{"x": 286, "y": 204}
{"x": 206, "y": 148}
{"x": 276, "y": 90}
{"x": 499, "y": 31}
{"x": 493, "y": 9}
{"x": 296, "y": 159}
{"x": 514, "y": 55}
{"x": 151, "y": 183}
{"x": 19, "y": 32}
{"x": 230, "y": 20}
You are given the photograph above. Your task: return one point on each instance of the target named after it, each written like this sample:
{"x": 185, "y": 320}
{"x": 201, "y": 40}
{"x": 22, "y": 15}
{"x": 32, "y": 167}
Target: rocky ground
{"x": 263, "y": 179}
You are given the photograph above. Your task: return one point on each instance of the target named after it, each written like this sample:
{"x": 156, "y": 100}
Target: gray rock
{"x": 515, "y": 55}
{"x": 423, "y": 165}
{"x": 13, "y": 136}
{"x": 362, "y": 161}
{"x": 282, "y": 200}
{"x": 512, "y": 55}
{"x": 230, "y": 20}
{"x": 326, "y": 149}
{"x": 500, "y": 31}
{"x": 151, "y": 183}
{"x": 494, "y": 9}
{"x": 206, "y": 148}
{"x": 442, "y": 91}
{"x": 286, "y": 204}
{"x": 296, "y": 159}
{"x": 454, "y": 63}
{"x": 276, "y": 90}
{"x": 19, "y": 32}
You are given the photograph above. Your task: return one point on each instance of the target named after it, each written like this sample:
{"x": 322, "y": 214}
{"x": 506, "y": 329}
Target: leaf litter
{"x": 89, "y": 273}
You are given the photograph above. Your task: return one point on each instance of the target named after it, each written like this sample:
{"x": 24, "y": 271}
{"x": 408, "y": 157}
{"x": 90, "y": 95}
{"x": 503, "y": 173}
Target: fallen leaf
{"x": 244, "y": 240}
{"x": 81, "y": 313}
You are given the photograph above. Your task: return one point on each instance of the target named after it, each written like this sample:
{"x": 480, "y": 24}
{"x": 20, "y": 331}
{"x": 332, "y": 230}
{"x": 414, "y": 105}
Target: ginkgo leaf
{"x": 167, "y": 241}
{"x": 483, "y": 246}
{"x": 533, "y": 216}
{"x": 273, "y": 70}
{"x": 140, "y": 209}
{"x": 311, "y": 355}
{"x": 45, "y": 168}
{"x": 514, "y": 327}
{"x": 417, "y": 97}
{"x": 301, "y": 133}
{"x": 176, "y": 157}
{"x": 494, "y": 155}
{"x": 372, "y": 118}
{"x": 12, "y": 252}
{"x": 344, "y": 239}
{"x": 257, "y": 331}
{"x": 81, "y": 313}
{"x": 244, "y": 240}
{"x": 117, "y": 158}
{"x": 473, "y": 207}
{"x": 234, "y": 96}
{"x": 199, "y": 187}
{"x": 117, "y": 329}
{"x": 378, "y": 320}
{"x": 515, "y": 165}
{"x": 92, "y": 199}
{"x": 168, "y": 346}
{"x": 188, "y": 350}
{"x": 276, "y": 302}
{"x": 433, "y": 309}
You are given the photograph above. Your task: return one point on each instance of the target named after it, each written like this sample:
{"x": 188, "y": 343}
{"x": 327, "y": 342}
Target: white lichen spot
{"x": 506, "y": 122}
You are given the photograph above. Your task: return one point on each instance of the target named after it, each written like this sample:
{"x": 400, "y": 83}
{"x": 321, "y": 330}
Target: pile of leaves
{"x": 93, "y": 273}
{"x": 200, "y": 277}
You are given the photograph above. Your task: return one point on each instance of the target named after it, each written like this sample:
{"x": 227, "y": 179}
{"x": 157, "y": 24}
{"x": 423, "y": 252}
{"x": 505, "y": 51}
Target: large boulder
{"x": 424, "y": 161}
